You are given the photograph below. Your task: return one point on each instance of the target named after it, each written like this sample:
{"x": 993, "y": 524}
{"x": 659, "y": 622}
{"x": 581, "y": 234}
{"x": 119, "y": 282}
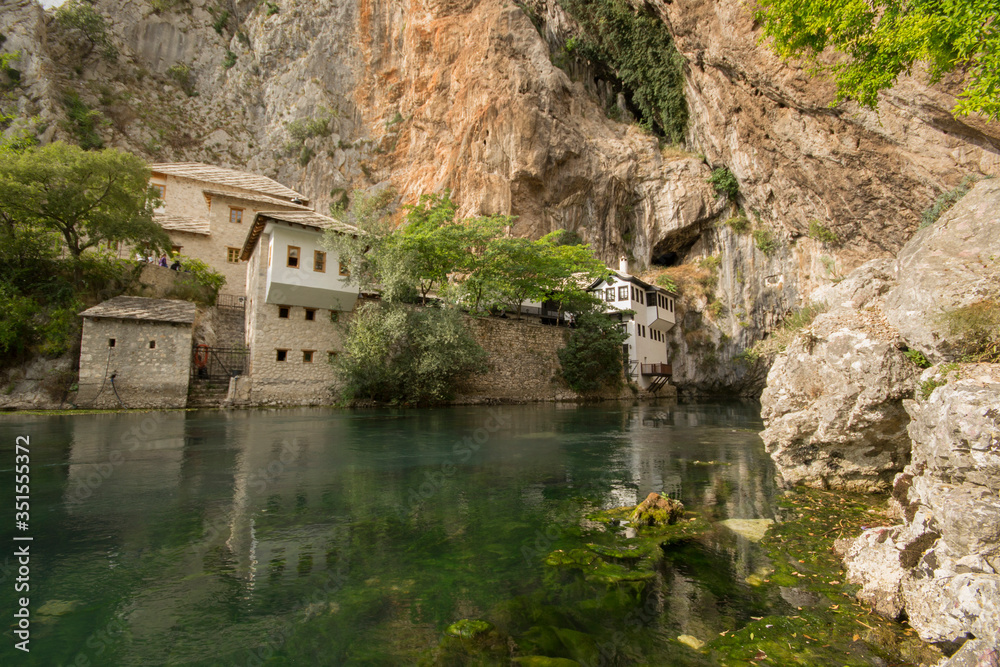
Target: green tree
{"x": 397, "y": 353}
{"x": 593, "y": 357}
{"x": 516, "y": 270}
{"x": 86, "y": 197}
{"x": 375, "y": 259}
{"x": 885, "y": 38}
{"x": 430, "y": 239}
{"x": 80, "y": 16}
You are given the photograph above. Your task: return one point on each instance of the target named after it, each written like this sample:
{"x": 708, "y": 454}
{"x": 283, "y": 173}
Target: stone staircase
{"x": 207, "y": 394}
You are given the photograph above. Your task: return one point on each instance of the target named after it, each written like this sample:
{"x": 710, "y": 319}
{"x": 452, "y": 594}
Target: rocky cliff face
{"x": 328, "y": 96}
{"x": 833, "y": 405}
{"x": 942, "y": 565}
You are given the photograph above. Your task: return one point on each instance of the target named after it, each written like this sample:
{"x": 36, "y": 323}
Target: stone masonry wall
{"x": 145, "y": 377}
{"x": 523, "y": 363}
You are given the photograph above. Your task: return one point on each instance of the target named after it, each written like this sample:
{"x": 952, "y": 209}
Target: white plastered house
{"x": 654, "y": 315}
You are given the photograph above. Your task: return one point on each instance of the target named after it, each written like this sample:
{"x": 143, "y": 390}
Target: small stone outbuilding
{"x": 136, "y": 353}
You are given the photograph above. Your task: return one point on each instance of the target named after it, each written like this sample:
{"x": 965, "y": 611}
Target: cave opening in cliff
{"x": 674, "y": 248}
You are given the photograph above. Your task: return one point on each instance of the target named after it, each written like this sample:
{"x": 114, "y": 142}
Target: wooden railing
{"x": 664, "y": 370}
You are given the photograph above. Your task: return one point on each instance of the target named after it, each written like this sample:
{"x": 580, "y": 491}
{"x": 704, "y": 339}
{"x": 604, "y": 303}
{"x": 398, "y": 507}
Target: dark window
{"x": 111, "y": 342}
{"x": 282, "y": 355}
{"x": 152, "y": 344}
{"x": 307, "y": 356}
{"x": 640, "y": 298}
{"x": 283, "y": 312}
{"x": 310, "y": 314}
{"x": 622, "y": 293}
{"x": 293, "y": 256}
{"x": 319, "y": 261}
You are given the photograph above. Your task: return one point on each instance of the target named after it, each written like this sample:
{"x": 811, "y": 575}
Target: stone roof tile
{"x": 222, "y": 176}
{"x": 182, "y": 223}
{"x": 142, "y": 308}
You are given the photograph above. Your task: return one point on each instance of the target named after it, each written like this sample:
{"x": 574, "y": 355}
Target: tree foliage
{"x": 87, "y": 198}
{"x": 593, "y": 358}
{"x": 885, "y": 38}
{"x": 396, "y": 353}
{"x": 81, "y": 17}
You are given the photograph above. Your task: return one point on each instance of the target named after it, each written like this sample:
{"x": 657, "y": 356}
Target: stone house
{"x": 298, "y": 299}
{"x": 654, "y": 306}
{"x": 206, "y": 211}
{"x": 136, "y": 353}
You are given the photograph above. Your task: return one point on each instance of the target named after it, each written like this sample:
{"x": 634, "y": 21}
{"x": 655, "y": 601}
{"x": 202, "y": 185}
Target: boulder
{"x": 951, "y": 263}
{"x": 942, "y": 566}
{"x": 656, "y": 510}
{"x": 833, "y": 404}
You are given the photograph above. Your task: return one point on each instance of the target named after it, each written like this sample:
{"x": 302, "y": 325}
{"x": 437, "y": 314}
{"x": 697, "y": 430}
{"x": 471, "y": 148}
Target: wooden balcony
{"x": 656, "y": 370}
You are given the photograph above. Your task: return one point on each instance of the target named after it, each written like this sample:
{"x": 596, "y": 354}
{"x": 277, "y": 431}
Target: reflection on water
{"x": 320, "y": 536}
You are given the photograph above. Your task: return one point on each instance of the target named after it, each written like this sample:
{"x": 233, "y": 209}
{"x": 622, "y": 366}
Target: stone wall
{"x": 145, "y": 377}
{"x": 293, "y": 381}
{"x": 523, "y": 363}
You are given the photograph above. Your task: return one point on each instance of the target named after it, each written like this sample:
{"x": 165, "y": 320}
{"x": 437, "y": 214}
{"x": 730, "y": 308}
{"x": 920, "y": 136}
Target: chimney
{"x": 623, "y": 264}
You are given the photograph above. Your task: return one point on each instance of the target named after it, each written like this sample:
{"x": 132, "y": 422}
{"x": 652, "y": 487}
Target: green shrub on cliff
{"x": 635, "y": 47}
{"x": 975, "y": 330}
{"x": 946, "y": 200}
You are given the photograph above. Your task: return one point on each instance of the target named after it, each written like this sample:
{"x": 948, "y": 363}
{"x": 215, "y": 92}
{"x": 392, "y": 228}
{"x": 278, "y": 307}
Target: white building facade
{"x": 298, "y": 301}
{"x": 654, "y": 315}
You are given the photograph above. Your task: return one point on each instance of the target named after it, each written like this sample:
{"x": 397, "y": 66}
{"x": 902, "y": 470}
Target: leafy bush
{"x": 765, "y": 241}
{"x": 220, "y": 21}
{"x": 396, "y": 353}
{"x": 197, "y": 282}
{"x": 712, "y": 262}
{"x": 820, "y": 233}
{"x": 82, "y": 122}
{"x": 975, "y": 330}
{"x": 738, "y": 223}
{"x": 725, "y": 183}
{"x": 181, "y": 73}
{"x": 81, "y": 16}
{"x": 946, "y": 201}
{"x": 592, "y": 359}
{"x": 272, "y": 8}
{"x": 17, "y": 331}
{"x": 918, "y": 358}
{"x": 230, "y": 59}
{"x": 663, "y": 280}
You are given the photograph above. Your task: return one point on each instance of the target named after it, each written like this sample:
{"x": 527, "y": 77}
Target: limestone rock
{"x": 833, "y": 406}
{"x": 951, "y": 263}
{"x": 942, "y": 566}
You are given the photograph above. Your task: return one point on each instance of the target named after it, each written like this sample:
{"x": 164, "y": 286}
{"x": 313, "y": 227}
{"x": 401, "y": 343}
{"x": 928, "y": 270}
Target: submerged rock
{"x": 656, "y": 510}
{"x": 752, "y": 529}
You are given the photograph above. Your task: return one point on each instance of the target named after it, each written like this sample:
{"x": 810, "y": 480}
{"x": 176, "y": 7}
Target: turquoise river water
{"x": 337, "y": 537}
